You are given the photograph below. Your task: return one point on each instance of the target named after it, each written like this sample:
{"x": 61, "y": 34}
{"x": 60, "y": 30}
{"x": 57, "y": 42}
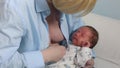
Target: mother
{"x": 30, "y": 30}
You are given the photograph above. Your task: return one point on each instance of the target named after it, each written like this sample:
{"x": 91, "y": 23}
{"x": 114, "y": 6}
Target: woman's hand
{"x": 53, "y": 53}
{"x": 89, "y": 64}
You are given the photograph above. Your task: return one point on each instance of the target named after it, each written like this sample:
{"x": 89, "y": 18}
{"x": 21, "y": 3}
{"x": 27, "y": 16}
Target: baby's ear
{"x": 86, "y": 44}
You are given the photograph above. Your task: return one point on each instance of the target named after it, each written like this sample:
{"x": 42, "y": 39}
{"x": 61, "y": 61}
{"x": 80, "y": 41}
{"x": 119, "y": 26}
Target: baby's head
{"x": 85, "y": 36}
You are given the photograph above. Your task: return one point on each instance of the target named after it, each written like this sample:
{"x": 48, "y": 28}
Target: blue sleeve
{"x": 11, "y": 32}
{"x": 10, "y": 37}
{"x": 34, "y": 59}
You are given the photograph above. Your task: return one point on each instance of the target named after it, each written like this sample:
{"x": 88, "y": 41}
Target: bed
{"x": 108, "y": 46}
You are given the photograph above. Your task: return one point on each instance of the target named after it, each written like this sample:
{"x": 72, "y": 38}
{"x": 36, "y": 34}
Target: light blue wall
{"x": 109, "y": 8}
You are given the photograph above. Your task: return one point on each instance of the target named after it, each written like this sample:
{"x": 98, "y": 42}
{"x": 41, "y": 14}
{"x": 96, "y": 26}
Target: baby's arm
{"x": 84, "y": 58}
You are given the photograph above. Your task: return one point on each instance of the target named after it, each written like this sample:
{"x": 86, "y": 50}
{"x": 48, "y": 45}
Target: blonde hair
{"x": 81, "y": 7}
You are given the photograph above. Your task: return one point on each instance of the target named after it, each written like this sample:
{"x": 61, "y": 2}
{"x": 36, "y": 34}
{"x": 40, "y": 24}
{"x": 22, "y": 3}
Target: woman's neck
{"x": 54, "y": 13}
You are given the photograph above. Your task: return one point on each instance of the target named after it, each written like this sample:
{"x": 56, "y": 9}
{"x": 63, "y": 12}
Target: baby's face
{"x": 81, "y": 36}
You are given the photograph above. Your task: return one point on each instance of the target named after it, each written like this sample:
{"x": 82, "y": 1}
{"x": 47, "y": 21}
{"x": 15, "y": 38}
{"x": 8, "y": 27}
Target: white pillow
{"x": 108, "y": 47}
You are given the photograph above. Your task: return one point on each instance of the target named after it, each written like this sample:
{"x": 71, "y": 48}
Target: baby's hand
{"x": 89, "y": 64}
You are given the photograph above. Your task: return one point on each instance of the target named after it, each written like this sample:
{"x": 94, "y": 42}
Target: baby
{"x": 79, "y": 54}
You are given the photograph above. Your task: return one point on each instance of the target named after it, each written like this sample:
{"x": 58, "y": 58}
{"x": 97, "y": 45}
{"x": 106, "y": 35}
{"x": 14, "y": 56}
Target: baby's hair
{"x": 95, "y": 36}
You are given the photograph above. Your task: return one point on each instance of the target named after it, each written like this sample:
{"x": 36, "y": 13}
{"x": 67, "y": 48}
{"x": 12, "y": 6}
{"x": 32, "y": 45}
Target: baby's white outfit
{"x": 75, "y": 57}
{"x": 82, "y": 56}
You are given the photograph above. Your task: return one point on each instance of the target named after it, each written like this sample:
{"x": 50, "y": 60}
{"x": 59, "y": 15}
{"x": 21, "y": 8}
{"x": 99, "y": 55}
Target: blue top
{"x": 24, "y": 32}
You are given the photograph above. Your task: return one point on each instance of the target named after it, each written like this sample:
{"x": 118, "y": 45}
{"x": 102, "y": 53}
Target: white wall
{"x": 109, "y": 8}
